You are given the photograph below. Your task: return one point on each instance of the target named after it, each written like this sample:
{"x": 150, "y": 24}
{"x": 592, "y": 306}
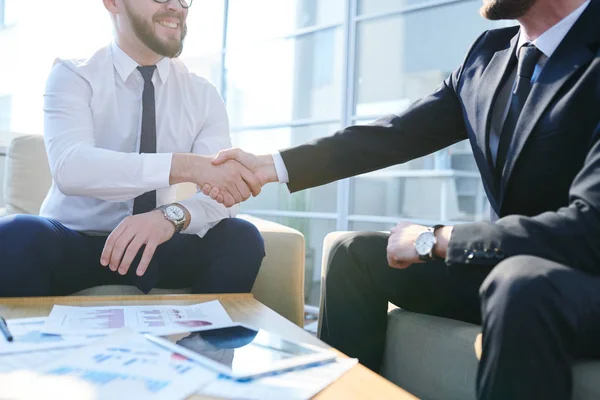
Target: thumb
{"x": 225, "y": 155}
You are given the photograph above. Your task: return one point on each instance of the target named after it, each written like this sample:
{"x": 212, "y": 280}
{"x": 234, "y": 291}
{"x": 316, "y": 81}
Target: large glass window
{"x": 285, "y": 79}
{"x": 400, "y": 59}
{"x": 252, "y": 21}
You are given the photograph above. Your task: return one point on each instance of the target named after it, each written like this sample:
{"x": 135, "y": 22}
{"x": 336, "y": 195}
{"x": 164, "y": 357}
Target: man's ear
{"x": 111, "y": 6}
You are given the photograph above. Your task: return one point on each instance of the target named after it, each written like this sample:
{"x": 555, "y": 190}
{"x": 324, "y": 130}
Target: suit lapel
{"x": 573, "y": 53}
{"x": 492, "y": 79}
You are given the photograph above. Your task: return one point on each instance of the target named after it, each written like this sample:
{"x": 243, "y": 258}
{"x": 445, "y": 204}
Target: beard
{"x": 505, "y": 9}
{"x": 144, "y": 30}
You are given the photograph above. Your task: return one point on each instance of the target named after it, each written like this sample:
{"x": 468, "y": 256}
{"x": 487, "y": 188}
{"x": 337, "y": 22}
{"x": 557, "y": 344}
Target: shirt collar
{"x": 125, "y": 65}
{"x": 549, "y": 40}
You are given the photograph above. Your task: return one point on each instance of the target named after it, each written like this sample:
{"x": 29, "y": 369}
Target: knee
{"x": 25, "y": 248}
{"x": 516, "y": 287}
{"x": 244, "y": 237}
{"x": 355, "y": 249}
{"x": 22, "y": 233}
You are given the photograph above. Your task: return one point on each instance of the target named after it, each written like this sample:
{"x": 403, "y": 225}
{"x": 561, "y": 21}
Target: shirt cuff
{"x": 156, "y": 171}
{"x": 282, "y": 173}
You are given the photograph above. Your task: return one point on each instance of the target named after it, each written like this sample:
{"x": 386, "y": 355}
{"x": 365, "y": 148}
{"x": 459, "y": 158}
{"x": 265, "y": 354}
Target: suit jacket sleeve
{"x": 430, "y": 124}
{"x": 570, "y": 236}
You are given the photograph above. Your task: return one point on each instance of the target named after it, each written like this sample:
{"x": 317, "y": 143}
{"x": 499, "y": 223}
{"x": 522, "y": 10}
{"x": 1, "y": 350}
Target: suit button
{"x": 470, "y": 256}
{"x": 488, "y": 253}
{"x": 499, "y": 254}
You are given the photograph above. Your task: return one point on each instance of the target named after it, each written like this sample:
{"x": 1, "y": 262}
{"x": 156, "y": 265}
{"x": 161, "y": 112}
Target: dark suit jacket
{"x": 548, "y": 199}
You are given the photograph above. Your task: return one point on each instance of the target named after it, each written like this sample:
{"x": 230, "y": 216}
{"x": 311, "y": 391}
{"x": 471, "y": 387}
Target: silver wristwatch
{"x": 425, "y": 244}
{"x": 175, "y": 214}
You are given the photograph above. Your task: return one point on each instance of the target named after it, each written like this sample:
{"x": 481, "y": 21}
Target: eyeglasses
{"x": 184, "y": 3}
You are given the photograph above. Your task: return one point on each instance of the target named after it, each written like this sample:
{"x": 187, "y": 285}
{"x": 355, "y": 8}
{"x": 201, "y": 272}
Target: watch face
{"x": 174, "y": 213}
{"x": 424, "y": 243}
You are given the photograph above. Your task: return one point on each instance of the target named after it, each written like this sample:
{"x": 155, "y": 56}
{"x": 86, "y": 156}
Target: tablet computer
{"x": 242, "y": 352}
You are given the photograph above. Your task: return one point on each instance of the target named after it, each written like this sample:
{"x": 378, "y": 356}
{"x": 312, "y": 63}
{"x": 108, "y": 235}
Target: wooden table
{"x": 358, "y": 383}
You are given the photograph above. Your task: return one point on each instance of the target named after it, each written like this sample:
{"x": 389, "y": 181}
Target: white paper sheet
{"x": 158, "y": 320}
{"x": 31, "y": 360}
{"x": 296, "y": 385}
{"x": 28, "y": 336}
{"x": 125, "y": 366}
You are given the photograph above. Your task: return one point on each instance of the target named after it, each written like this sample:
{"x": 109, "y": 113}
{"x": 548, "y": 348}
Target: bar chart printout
{"x": 159, "y": 320}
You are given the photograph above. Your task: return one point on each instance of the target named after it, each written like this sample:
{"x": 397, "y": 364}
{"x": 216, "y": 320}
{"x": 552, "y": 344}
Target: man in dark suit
{"x": 528, "y": 100}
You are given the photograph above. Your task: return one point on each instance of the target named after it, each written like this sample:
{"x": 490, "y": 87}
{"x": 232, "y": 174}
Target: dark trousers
{"x": 538, "y": 316}
{"x": 41, "y": 257}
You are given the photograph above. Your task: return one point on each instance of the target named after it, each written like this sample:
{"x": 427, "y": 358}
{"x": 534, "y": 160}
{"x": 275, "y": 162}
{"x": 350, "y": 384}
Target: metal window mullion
{"x": 223, "y": 82}
{"x": 348, "y": 93}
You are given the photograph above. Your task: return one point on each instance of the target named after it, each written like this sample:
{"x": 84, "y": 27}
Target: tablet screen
{"x": 240, "y": 348}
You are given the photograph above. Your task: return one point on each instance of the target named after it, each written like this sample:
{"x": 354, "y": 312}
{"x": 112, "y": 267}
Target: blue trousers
{"x": 41, "y": 257}
{"x": 538, "y": 316}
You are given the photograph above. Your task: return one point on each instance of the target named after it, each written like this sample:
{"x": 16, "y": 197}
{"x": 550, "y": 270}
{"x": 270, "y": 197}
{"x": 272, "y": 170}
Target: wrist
{"x": 266, "y": 166}
{"x": 442, "y": 237}
{"x": 161, "y": 216}
{"x": 188, "y": 216}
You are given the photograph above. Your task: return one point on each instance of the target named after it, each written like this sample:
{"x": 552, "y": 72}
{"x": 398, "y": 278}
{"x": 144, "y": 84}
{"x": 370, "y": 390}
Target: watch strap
{"x": 431, "y": 255}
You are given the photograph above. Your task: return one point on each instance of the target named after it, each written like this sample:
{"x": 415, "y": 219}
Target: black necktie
{"x": 528, "y": 58}
{"x": 147, "y": 201}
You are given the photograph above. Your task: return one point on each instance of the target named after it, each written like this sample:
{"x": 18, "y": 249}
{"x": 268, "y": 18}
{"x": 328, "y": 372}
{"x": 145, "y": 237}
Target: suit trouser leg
{"x": 41, "y": 257}
{"x": 359, "y": 283}
{"x": 538, "y": 316}
{"x": 226, "y": 260}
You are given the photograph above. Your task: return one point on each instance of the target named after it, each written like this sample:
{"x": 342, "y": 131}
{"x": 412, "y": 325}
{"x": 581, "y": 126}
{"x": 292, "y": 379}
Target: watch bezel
{"x": 431, "y": 241}
{"x": 171, "y": 214}
{"x": 177, "y": 222}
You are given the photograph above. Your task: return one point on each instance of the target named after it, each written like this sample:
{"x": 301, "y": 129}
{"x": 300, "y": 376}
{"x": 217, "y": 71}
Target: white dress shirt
{"x": 92, "y": 126}
{"x": 546, "y": 43}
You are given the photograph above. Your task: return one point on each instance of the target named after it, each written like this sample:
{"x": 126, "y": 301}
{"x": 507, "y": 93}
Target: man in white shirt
{"x": 121, "y": 129}
{"x": 527, "y": 98}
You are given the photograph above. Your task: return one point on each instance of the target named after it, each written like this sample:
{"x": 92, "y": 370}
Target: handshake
{"x": 229, "y": 178}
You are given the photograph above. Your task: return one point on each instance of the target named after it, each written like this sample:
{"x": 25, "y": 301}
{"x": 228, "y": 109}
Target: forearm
{"x": 82, "y": 170}
{"x": 427, "y": 126}
{"x": 568, "y": 236}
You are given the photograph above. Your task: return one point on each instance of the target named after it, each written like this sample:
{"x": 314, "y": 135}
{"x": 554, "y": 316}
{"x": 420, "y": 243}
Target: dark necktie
{"x": 147, "y": 201}
{"x": 528, "y": 58}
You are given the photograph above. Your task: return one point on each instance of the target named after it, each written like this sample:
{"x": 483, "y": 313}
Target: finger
{"x": 235, "y": 193}
{"x": 120, "y": 247}
{"x": 146, "y": 257}
{"x": 390, "y": 260}
{"x": 110, "y": 243}
{"x": 221, "y": 198}
{"x": 224, "y": 155}
{"x": 252, "y": 181}
{"x": 243, "y": 189}
{"x": 214, "y": 193}
{"x": 206, "y": 189}
{"x": 130, "y": 254}
{"x": 228, "y": 200}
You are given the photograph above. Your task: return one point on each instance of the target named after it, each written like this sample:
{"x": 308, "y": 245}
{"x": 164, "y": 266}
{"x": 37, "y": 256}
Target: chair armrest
{"x": 328, "y": 244}
{"x": 280, "y": 281}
